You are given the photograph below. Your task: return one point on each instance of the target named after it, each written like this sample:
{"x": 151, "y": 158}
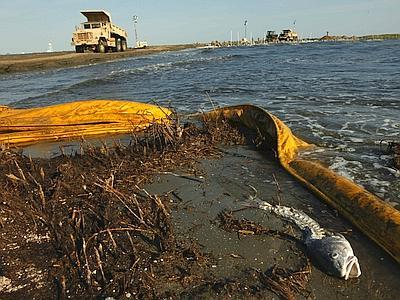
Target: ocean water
{"x": 343, "y": 97}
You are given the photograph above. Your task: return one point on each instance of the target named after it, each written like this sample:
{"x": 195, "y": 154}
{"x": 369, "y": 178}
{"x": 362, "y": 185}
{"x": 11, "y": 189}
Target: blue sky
{"x": 28, "y": 26}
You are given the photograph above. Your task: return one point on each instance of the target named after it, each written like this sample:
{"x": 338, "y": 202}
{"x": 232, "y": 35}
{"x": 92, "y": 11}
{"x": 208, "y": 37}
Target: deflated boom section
{"x": 373, "y": 216}
{"x": 76, "y": 120}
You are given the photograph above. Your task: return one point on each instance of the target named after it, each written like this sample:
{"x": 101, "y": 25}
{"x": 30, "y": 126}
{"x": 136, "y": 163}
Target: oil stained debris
{"x": 97, "y": 232}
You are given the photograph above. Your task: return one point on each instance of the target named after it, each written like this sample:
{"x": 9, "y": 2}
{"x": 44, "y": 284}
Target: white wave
{"x": 356, "y": 140}
{"x": 344, "y": 148}
{"x": 369, "y": 157}
{"x": 345, "y": 167}
{"x": 393, "y": 171}
{"x": 379, "y": 183}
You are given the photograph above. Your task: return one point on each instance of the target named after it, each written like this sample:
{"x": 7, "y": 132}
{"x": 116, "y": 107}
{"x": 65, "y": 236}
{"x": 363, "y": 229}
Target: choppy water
{"x": 344, "y": 97}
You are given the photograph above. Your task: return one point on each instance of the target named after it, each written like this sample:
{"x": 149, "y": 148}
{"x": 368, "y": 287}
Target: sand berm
{"x": 14, "y": 63}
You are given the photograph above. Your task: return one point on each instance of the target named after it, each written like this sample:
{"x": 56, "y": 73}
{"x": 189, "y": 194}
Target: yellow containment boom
{"x": 373, "y": 216}
{"x": 76, "y": 120}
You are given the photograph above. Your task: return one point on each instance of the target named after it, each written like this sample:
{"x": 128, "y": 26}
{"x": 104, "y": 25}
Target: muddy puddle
{"x": 163, "y": 216}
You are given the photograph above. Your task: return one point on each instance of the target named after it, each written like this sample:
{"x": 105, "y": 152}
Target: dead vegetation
{"x": 108, "y": 235}
{"x": 83, "y": 226}
{"x": 393, "y": 148}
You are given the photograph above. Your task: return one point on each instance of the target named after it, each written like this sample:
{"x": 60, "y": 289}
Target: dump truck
{"x": 288, "y": 35}
{"x": 99, "y": 34}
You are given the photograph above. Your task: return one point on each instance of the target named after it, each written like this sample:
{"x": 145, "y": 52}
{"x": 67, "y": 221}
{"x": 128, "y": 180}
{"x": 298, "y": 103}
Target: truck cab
{"x": 99, "y": 34}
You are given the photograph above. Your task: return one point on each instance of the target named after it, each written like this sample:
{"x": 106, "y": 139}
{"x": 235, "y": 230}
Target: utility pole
{"x": 245, "y": 30}
{"x": 135, "y": 21}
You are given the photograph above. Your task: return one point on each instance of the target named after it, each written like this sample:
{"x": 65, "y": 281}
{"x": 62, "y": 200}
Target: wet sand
{"x": 43, "y": 61}
{"x": 226, "y": 186}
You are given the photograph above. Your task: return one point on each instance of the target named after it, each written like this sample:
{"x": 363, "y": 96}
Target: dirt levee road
{"x": 42, "y": 61}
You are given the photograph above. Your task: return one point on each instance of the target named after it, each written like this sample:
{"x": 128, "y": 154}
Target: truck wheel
{"x": 124, "y": 46}
{"x": 118, "y": 45}
{"x": 79, "y": 49}
{"x": 101, "y": 48}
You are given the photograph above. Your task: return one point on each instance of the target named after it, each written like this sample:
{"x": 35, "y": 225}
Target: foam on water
{"x": 356, "y": 140}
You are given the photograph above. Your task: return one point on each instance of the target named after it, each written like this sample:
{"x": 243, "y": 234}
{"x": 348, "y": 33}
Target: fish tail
{"x": 254, "y": 201}
{"x": 257, "y": 203}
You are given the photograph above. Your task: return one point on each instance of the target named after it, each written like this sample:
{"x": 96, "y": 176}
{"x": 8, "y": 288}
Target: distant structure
{"x": 139, "y": 44}
{"x": 328, "y": 38}
{"x": 135, "y": 21}
{"x": 245, "y": 29}
{"x": 49, "y": 47}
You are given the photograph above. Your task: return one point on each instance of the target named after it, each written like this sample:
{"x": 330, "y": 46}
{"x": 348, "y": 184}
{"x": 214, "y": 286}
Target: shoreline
{"x": 18, "y": 63}
{"x": 29, "y": 62}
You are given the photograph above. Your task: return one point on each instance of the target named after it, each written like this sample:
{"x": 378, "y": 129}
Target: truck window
{"x": 96, "y": 25}
{"x": 86, "y": 26}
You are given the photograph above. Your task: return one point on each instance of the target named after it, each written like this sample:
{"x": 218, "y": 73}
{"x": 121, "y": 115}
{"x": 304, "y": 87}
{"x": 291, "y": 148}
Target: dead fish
{"x": 332, "y": 251}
